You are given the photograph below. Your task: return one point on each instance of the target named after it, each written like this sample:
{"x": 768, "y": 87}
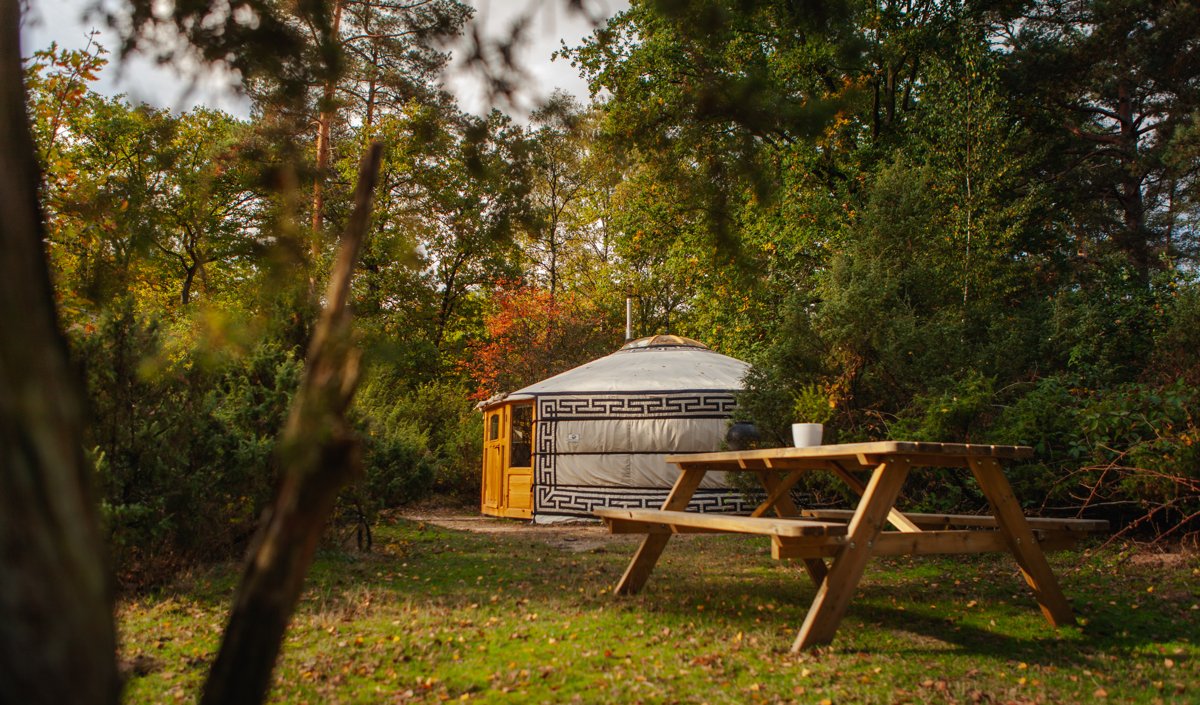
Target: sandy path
{"x": 574, "y": 537}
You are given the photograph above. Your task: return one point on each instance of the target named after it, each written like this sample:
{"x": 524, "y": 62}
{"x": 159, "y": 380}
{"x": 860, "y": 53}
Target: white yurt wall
{"x": 602, "y": 430}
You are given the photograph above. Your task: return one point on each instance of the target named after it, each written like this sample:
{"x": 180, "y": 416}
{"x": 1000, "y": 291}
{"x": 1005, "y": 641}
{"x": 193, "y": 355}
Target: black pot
{"x": 742, "y": 435}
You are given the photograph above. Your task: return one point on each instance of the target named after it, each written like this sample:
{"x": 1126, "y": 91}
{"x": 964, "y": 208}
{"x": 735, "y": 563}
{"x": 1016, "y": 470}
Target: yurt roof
{"x": 660, "y": 363}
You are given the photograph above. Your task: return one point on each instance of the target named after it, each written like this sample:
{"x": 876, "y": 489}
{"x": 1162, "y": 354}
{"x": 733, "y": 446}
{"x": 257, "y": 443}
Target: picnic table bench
{"x": 851, "y": 537}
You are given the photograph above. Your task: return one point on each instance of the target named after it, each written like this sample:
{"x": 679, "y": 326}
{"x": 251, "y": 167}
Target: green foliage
{"x": 812, "y": 405}
{"x": 1177, "y": 338}
{"x": 183, "y": 451}
{"x": 1104, "y": 329}
{"x": 445, "y": 412}
{"x": 952, "y": 415}
{"x": 1145, "y": 450}
{"x": 398, "y": 463}
{"x": 422, "y": 439}
{"x": 1132, "y": 446}
{"x": 775, "y": 375}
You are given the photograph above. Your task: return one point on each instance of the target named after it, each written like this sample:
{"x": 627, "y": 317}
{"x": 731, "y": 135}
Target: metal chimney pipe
{"x": 628, "y": 318}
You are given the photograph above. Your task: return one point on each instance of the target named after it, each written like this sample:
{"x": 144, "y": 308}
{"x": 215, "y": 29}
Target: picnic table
{"x": 851, "y": 537}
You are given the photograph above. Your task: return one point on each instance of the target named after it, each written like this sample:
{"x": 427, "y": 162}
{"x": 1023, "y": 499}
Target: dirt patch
{"x": 576, "y": 537}
{"x": 1154, "y": 559}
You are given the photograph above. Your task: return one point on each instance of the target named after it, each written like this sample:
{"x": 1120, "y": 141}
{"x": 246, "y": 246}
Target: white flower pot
{"x": 805, "y": 435}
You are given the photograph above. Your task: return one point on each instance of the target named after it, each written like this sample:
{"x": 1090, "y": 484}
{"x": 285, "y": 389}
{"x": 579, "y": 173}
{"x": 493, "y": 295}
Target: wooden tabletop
{"x": 738, "y": 459}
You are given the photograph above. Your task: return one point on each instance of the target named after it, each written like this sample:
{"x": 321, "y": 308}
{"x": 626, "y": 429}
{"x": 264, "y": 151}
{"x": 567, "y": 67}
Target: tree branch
{"x": 318, "y": 454}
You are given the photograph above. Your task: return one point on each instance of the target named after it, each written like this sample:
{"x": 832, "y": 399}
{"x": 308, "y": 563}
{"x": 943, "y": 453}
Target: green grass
{"x": 436, "y": 615}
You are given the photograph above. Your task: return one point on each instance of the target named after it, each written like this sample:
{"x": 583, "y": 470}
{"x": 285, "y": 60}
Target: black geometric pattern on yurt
{"x": 582, "y": 501}
{"x": 691, "y": 404}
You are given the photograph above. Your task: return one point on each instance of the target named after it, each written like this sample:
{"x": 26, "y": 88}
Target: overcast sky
{"x": 64, "y": 21}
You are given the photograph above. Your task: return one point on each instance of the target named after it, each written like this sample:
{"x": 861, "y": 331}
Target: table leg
{"x": 652, "y": 546}
{"x": 778, "y": 496}
{"x": 1021, "y": 541}
{"x": 895, "y": 518}
{"x": 833, "y": 597}
{"x": 780, "y": 501}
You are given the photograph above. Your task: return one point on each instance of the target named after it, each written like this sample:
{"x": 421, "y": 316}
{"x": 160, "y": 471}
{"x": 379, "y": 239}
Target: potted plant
{"x": 812, "y": 410}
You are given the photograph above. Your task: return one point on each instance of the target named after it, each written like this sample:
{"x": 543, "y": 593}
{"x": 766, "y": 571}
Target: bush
{"x": 182, "y": 451}
{"x": 1177, "y": 344}
{"x": 1130, "y": 452}
{"x": 440, "y": 417}
{"x": 398, "y": 466}
{"x": 1145, "y": 450}
{"x": 956, "y": 414}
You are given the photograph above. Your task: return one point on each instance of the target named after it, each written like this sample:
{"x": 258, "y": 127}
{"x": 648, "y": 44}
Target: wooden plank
{"x": 725, "y": 460}
{"x": 981, "y": 520}
{"x": 938, "y": 542}
{"x": 628, "y": 526}
{"x": 647, "y": 555}
{"x": 1019, "y": 536}
{"x": 807, "y": 550}
{"x": 895, "y": 543}
{"x": 682, "y": 462}
{"x": 797, "y": 463}
{"x": 833, "y": 597}
{"x": 763, "y": 526}
{"x": 953, "y": 541}
{"x": 934, "y": 460}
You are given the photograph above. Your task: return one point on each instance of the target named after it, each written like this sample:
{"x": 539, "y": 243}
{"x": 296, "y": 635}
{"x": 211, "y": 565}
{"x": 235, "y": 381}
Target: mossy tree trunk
{"x": 57, "y": 638}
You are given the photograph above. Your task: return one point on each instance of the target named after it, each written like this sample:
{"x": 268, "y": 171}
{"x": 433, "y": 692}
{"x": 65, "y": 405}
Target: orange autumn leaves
{"x": 531, "y": 334}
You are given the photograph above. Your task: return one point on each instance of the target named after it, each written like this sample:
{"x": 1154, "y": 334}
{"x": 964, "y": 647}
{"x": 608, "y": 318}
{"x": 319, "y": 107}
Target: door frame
{"x": 506, "y": 491}
{"x": 495, "y": 457}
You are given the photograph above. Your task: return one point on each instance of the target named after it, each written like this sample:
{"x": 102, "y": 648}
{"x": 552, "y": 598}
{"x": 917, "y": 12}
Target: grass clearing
{"x": 436, "y": 615}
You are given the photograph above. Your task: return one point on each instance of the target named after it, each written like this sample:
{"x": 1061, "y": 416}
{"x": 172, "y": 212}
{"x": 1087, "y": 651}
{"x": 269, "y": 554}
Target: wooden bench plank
{"x": 925, "y": 543}
{"x": 721, "y": 522}
{"x": 628, "y": 526}
{"x": 947, "y": 520}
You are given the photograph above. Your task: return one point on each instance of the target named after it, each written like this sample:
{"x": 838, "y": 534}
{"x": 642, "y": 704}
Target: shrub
{"x": 438, "y": 417}
{"x": 398, "y": 466}
{"x": 182, "y": 451}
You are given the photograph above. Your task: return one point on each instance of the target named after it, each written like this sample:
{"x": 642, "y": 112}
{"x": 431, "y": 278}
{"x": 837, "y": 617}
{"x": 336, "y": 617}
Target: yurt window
{"x": 522, "y": 437}
{"x": 494, "y": 429}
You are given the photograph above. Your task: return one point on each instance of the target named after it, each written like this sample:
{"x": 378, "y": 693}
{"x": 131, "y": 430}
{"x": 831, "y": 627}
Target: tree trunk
{"x": 324, "y": 152}
{"x": 57, "y": 639}
{"x": 189, "y": 276}
{"x": 318, "y": 454}
{"x": 185, "y": 294}
{"x": 1134, "y": 239}
{"x": 449, "y": 296}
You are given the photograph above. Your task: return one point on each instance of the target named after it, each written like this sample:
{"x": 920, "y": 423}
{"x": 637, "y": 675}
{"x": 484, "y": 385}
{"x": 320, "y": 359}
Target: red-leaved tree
{"x": 532, "y": 335}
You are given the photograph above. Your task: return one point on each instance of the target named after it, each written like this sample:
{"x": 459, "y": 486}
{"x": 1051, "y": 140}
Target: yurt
{"x": 596, "y": 436}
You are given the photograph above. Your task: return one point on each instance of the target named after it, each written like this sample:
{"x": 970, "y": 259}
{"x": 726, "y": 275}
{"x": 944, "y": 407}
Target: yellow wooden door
{"x": 517, "y": 498}
{"x": 495, "y": 429}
